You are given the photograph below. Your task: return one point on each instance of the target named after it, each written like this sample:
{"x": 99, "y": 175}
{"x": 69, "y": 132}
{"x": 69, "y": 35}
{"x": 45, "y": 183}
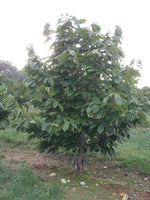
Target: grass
{"x": 22, "y": 184}
{"x": 10, "y": 135}
{"x": 134, "y": 154}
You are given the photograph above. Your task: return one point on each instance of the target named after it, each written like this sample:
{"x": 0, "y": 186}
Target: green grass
{"x": 134, "y": 154}
{"x": 22, "y": 184}
{"x": 10, "y": 135}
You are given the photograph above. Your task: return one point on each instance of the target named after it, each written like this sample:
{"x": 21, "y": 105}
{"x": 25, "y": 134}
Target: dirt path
{"x": 15, "y": 156}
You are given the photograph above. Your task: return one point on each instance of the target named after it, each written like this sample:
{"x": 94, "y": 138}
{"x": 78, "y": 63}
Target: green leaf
{"x": 83, "y": 122}
{"x": 89, "y": 109}
{"x": 52, "y": 113}
{"x": 50, "y": 80}
{"x": 105, "y": 99}
{"x": 26, "y": 124}
{"x": 60, "y": 107}
{"x": 96, "y": 27}
{"x": 121, "y": 52}
{"x": 95, "y": 108}
{"x": 117, "y": 80}
{"x": 83, "y": 67}
{"x": 132, "y": 62}
{"x": 55, "y": 103}
{"x": 73, "y": 124}
{"x": 100, "y": 129}
{"x": 82, "y": 21}
{"x": 54, "y": 124}
{"x": 44, "y": 127}
{"x": 96, "y": 100}
{"x": 91, "y": 70}
{"x": 21, "y": 124}
{"x": 118, "y": 31}
{"x": 66, "y": 125}
{"x": 69, "y": 93}
{"x": 72, "y": 52}
{"x": 118, "y": 99}
{"x": 47, "y": 89}
{"x": 96, "y": 51}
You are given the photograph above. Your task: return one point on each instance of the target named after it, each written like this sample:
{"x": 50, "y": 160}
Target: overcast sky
{"x": 22, "y": 22}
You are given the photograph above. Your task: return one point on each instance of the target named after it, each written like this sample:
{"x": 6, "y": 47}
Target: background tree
{"x": 7, "y": 68}
{"x": 86, "y": 98}
{"x": 144, "y": 92}
{"x": 11, "y": 71}
{"x": 11, "y": 84}
{"x": 6, "y": 106}
{"x": 13, "y": 79}
{"x": 22, "y": 96}
{"x": 21, "y": 76}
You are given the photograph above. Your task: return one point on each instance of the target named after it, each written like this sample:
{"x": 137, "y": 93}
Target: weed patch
{"x": 23, "y": 185}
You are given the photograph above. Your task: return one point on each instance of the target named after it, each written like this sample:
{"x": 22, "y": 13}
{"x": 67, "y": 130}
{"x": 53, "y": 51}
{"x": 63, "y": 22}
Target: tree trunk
{"x": 80, "y": 161}
{"x": 80, "y": 157}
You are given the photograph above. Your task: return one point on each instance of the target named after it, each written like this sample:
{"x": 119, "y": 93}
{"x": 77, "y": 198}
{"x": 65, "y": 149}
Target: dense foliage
{"x": 13, "y": 79}
{"x": 86, "y": 99}
{"x": 6, "y": 106}
{"x": 145, "y": 93}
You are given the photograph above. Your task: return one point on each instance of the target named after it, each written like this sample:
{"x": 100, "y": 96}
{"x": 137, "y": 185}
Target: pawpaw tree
{"x": 85, "y": 97}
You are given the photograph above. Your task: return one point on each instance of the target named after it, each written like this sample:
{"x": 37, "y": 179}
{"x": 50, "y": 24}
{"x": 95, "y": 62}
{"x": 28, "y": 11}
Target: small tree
{"x": 86, "y": 97}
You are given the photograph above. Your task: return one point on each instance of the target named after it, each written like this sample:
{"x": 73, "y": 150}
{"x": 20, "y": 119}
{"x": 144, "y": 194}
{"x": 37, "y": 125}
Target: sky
{"x": 22, "y": 23}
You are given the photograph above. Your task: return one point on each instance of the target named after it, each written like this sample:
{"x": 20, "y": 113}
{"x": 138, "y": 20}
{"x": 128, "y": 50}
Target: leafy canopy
{"x": 82, "y": 87}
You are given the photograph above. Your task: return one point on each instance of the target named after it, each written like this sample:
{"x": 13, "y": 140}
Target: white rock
{"x": 82, "y": 183}
{"x": 63, "y": 181}
{"x": 53, "y": 174}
